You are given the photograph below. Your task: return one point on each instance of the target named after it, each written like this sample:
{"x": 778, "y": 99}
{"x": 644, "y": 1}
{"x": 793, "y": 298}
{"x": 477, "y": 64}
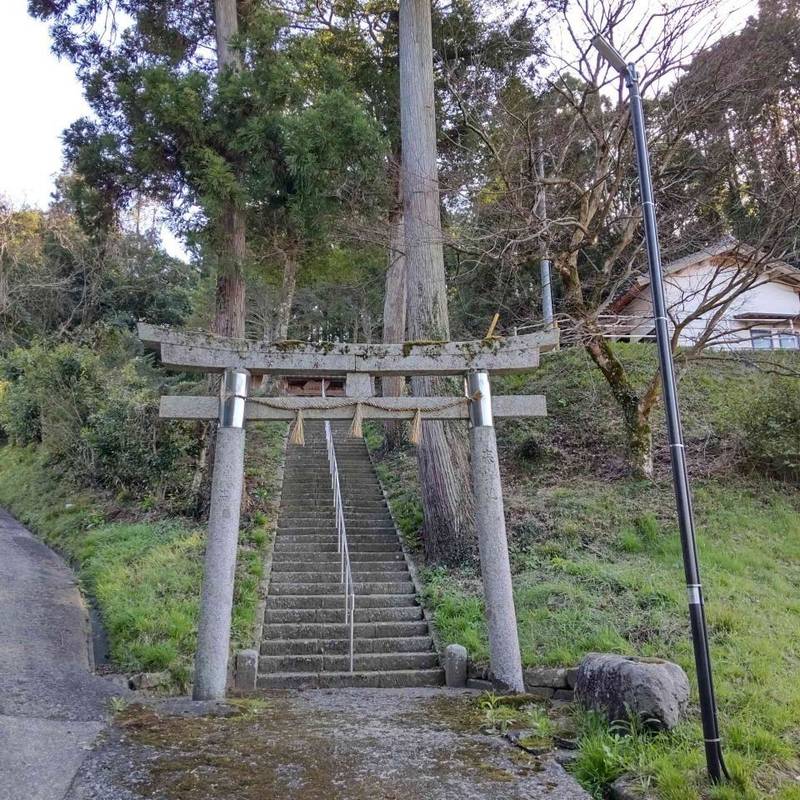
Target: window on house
{"x": 789, "y": 341}
{"x": 762, "y": 338}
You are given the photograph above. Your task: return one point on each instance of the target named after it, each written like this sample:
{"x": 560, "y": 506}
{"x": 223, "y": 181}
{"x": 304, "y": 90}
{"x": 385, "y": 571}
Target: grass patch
{"x": 598, "y": 573}
{"x": 606, "y": 578}
{"x": 145, "y": 573}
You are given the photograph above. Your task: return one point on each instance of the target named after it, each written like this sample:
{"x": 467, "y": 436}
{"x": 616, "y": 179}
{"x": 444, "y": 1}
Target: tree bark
{"x": 230, "y": 298}
{"x": 283, "y": 313}
{"x": 448, "y": 531}
{"x": 635, "y": 409}
{"x": 231, "y": 242}
{"x": 394, "y": 313}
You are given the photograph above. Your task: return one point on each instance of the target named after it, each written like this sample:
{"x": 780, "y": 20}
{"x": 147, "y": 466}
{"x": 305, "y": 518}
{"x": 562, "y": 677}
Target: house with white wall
{"x": 727, "y": 295}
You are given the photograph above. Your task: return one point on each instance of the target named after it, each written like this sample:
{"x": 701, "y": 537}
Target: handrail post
{"x": 345, "y": 569}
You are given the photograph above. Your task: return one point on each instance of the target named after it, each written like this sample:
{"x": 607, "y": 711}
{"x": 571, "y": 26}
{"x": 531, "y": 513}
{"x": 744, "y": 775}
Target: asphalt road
{"x": 52, "y": 707}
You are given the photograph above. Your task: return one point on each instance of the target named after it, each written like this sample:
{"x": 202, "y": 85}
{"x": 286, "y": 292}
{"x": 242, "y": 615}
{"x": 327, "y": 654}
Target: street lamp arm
{"x": 609, "y": 53}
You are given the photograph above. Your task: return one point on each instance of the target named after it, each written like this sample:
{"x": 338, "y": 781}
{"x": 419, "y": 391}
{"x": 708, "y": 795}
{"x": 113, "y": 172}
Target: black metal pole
{"x": 680, "y": 476}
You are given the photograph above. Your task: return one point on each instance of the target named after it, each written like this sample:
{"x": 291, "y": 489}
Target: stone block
{"x": 149, "y": 680}
{"x": 627, "y": 787}
{"x": 554, "y": 677}
{"x": 564, "y": 695}
{"x": 480, "y": 685}
{"x": 542, "y": 692}
{"x": 572, "y": 677}
{"x": 455, "y": 666}
{"x": 246, "y": 670}
{"x": 622, "y": 687}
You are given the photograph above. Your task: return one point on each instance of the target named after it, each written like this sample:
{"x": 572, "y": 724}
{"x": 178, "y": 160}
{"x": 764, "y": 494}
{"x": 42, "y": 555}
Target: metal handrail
{"x": 346, "y": 574}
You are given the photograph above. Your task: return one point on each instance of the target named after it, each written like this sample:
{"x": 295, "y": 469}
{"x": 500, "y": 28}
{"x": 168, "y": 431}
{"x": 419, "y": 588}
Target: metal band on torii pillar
{"x": 216, "y": 602}
{"x": 501, "y": 618}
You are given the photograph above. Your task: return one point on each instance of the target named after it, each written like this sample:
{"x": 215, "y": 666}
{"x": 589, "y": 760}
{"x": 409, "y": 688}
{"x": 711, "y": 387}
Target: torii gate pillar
{"x": 216, "y": 601}
{"x": 501, "y": 619}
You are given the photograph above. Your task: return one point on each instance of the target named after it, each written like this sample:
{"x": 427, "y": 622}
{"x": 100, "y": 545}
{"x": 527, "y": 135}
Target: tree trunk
{"x": 230, "y": 299}
{"x": 231, "y": 245}
{"x": 394, "y": 314}
{"x": 640, "y": 440}
{"x": 283, "y": 313}
{"x": 635, "y": 409}
{"x": 442, "y": 454}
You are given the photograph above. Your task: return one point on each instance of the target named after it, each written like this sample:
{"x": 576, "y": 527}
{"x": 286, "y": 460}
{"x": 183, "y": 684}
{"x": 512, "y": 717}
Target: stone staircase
{"x": 306, "y": 641}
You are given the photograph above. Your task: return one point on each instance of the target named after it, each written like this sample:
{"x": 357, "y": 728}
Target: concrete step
{"x": 362, "y": 662}
{"x": 336, "y": 615}
{"x": 328, "y": 516}
{"x": 390, "y": 565}
{"x": 279, "y": 577}
{"x": 353, "y": 540}
{"x": 387, "y": 679}
{"x": 321, "y": 587}
{"x": 350, "y": 489}
{"x": 315, "y": 537}
{"x": 289, "y": 523}
{"x": 390, "y": 571}
{"x": 337, "y": 601}
{"x": 338, "y": 630}
{"x": 367, "y": 521}
{"x": 354, "y": 534}
{"x": 283, "y": 647}
{"x": 321, "y": 472}
{"x": 314, "y": 507}
{"x": 307, "y": 546}
{"x": 329, "y": 559}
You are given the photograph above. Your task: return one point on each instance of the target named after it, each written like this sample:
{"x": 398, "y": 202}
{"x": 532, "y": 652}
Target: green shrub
{"x": 95, "y": 411}
{"x": 19, "y": 409}
{"x": 772, "y": 429}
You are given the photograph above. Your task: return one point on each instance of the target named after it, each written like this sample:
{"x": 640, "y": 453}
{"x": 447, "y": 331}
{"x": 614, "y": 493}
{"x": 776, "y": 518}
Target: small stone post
{"x": 214, "y": 631}
{"x": 501, "y": 618}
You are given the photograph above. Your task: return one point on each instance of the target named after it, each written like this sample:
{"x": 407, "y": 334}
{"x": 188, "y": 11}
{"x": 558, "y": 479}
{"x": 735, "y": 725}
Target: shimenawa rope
{"x": 356, "y": 426}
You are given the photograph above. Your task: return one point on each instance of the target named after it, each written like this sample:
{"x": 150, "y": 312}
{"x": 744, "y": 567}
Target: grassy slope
{"x": 597, "y": 567}
{"x": 144, "y": 572}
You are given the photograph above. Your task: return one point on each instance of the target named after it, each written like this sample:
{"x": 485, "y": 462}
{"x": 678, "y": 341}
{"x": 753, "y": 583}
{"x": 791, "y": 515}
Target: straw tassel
{"x": 356, "y": 429}
{"x": 415, "y": 437}
{"x": 298, "y": 436}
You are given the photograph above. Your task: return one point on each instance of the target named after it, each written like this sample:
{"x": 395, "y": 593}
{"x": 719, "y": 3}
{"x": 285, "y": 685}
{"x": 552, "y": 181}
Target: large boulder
{"x": 623, "y": 687}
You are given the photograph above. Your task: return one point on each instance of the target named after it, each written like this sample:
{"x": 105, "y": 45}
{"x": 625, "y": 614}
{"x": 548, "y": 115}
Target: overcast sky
{"x": 40, "y": 97}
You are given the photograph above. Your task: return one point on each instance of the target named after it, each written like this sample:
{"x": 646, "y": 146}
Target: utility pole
{"x": 680, "y": 474}
{"x": 544, "y": 263}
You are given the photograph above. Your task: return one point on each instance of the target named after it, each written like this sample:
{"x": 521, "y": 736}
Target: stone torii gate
{"x": 239, "y": 359}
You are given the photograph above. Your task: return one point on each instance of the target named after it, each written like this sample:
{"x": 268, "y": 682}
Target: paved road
{"x": 51, "y": 707}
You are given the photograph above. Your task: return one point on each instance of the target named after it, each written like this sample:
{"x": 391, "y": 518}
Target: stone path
{"x": 51, "y": 706}
{"x": 343, "y": 744}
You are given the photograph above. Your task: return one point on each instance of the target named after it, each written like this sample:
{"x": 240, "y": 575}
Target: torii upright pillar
{"x": 216, "y": 600}
{"x": 501, "y": 618}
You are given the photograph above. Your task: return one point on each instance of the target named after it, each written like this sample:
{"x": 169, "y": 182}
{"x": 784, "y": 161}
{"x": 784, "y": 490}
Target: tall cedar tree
{"x": 222, "y": 123}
